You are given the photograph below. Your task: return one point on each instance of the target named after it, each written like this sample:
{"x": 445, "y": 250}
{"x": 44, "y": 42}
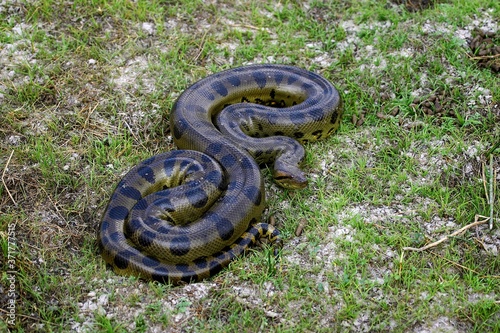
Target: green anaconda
{"x": 184, "y": 215}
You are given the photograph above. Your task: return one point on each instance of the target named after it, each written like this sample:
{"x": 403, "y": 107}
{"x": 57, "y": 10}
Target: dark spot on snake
{"x": 121, "y": 259}
{"x": 219, "y": 88}
{"x": 247, "y": 163}
{"x": 183, "y": 268}
{"x": 279, "y": 133}
{"x": 131, "y": 192}
{"x": 228, "y": 160}
{"x": 214, "y": 148}
{"x": 175, "y": 153}
{"x": 149, "y": 160}
{"x": 224, "y": 254}
{"x": 205, "y": 159}
{"x": 334, "y": 117}
{"x": 163, "y": 230}
{"x": 278, "y": 77}
{"x": 104, "y": 225}
{"x": 208, "y": 95}
{"x": 291, "y": 79}
{"x": 259, "y": 126}
{"x": 260, "y": 79}
{"x": 297, "y": 118}
{"x": 118, "y": 212}
{"x": 307, "y": 87}
{"x": 272, "y": 94}
{"x": 103, "y": 242}
{"x": 130, "y": 227}
{"x": 180, "y": 127}
{"x": 116, "y": 194}
{"x": 150, "y": 261}
{"x": 316, "y": 114}
{"x": 147, "y": 173}
{"x": 146, "y": 238}
{"x": 298, "y": 135}
{"x": 184, "y": 163}
{"x": 245, "y": 241}
{"x": 331, "y": 130}
{"x": 141, "y": 205}
{"x": 195, "y": 167}
{"x": 317, "y": 134}
{"x": 116, "y": 237}
{"x": 189, "y": 277}
{"x": 225, "y": 228}
{"x": 244, "y": 126}
{"x": 254, "y": 194}
{"x": 234, "y": 80}
{"x": 273, "y": 118}
{"x": 201, "y": 263}
{"x": 160, "y": 275}
{"x": 169, "y": 166}
{"x": 215, "y": 177}
{"x": 197, "y": 197}
{"x": 231, "y": 199}
{"x": 215, "y": 267}
{"x": 255, "y": 231}
{"x": 245, "y": 100}
{"x": 180, "y": 246}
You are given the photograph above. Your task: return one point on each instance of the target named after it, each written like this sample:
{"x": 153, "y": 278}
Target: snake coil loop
{"x": 185, "y": 214}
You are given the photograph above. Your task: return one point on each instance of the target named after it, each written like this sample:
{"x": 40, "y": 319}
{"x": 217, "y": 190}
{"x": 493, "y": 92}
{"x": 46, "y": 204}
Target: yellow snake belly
{"x": 183, "y": 215}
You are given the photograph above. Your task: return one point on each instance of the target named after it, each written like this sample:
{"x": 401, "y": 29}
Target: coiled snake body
{"x": 185, "y": 214}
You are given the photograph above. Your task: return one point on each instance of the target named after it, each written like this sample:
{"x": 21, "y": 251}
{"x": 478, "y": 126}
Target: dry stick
{"x": 465, "y": 267}
{"x": 493, "y": 178}
{"x": 203, "y": 40}
{"x": 483, "y": 57}
{"x": 3, "y": 180}
{"x": 133, "y": 134}
{"x": 248, "y": 26}
{"x": 428, "y": 246}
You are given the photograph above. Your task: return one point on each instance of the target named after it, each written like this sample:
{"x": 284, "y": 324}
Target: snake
{"x": 183, "y": 215}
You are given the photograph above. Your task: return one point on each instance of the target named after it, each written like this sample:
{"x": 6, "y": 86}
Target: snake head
{"x": 289, "y": 176}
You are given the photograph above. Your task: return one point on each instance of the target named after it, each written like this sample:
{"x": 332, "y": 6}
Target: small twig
{"x": 483, "y": 57}
{"x": 133, "y": 134}
{"x": 26, "y": 316}
{"x": 203, "y": 40}
{"x": 87, "y": 119}
{"x": 492, "y": 180}
{"x": 428, "y": 246}
{"x": 465, "y": 267}
{"x": 3, "y": 178}
{"x": 247, "y": 26}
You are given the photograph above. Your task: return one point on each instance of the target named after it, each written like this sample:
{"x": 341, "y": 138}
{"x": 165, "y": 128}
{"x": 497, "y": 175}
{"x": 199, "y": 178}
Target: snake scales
{"x": 185, "y": 214}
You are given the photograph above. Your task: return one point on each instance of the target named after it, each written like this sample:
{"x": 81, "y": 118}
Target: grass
{"x": 85, "y": 90}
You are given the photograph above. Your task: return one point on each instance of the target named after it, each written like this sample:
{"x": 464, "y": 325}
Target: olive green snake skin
{"x": 183, "y": 215}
